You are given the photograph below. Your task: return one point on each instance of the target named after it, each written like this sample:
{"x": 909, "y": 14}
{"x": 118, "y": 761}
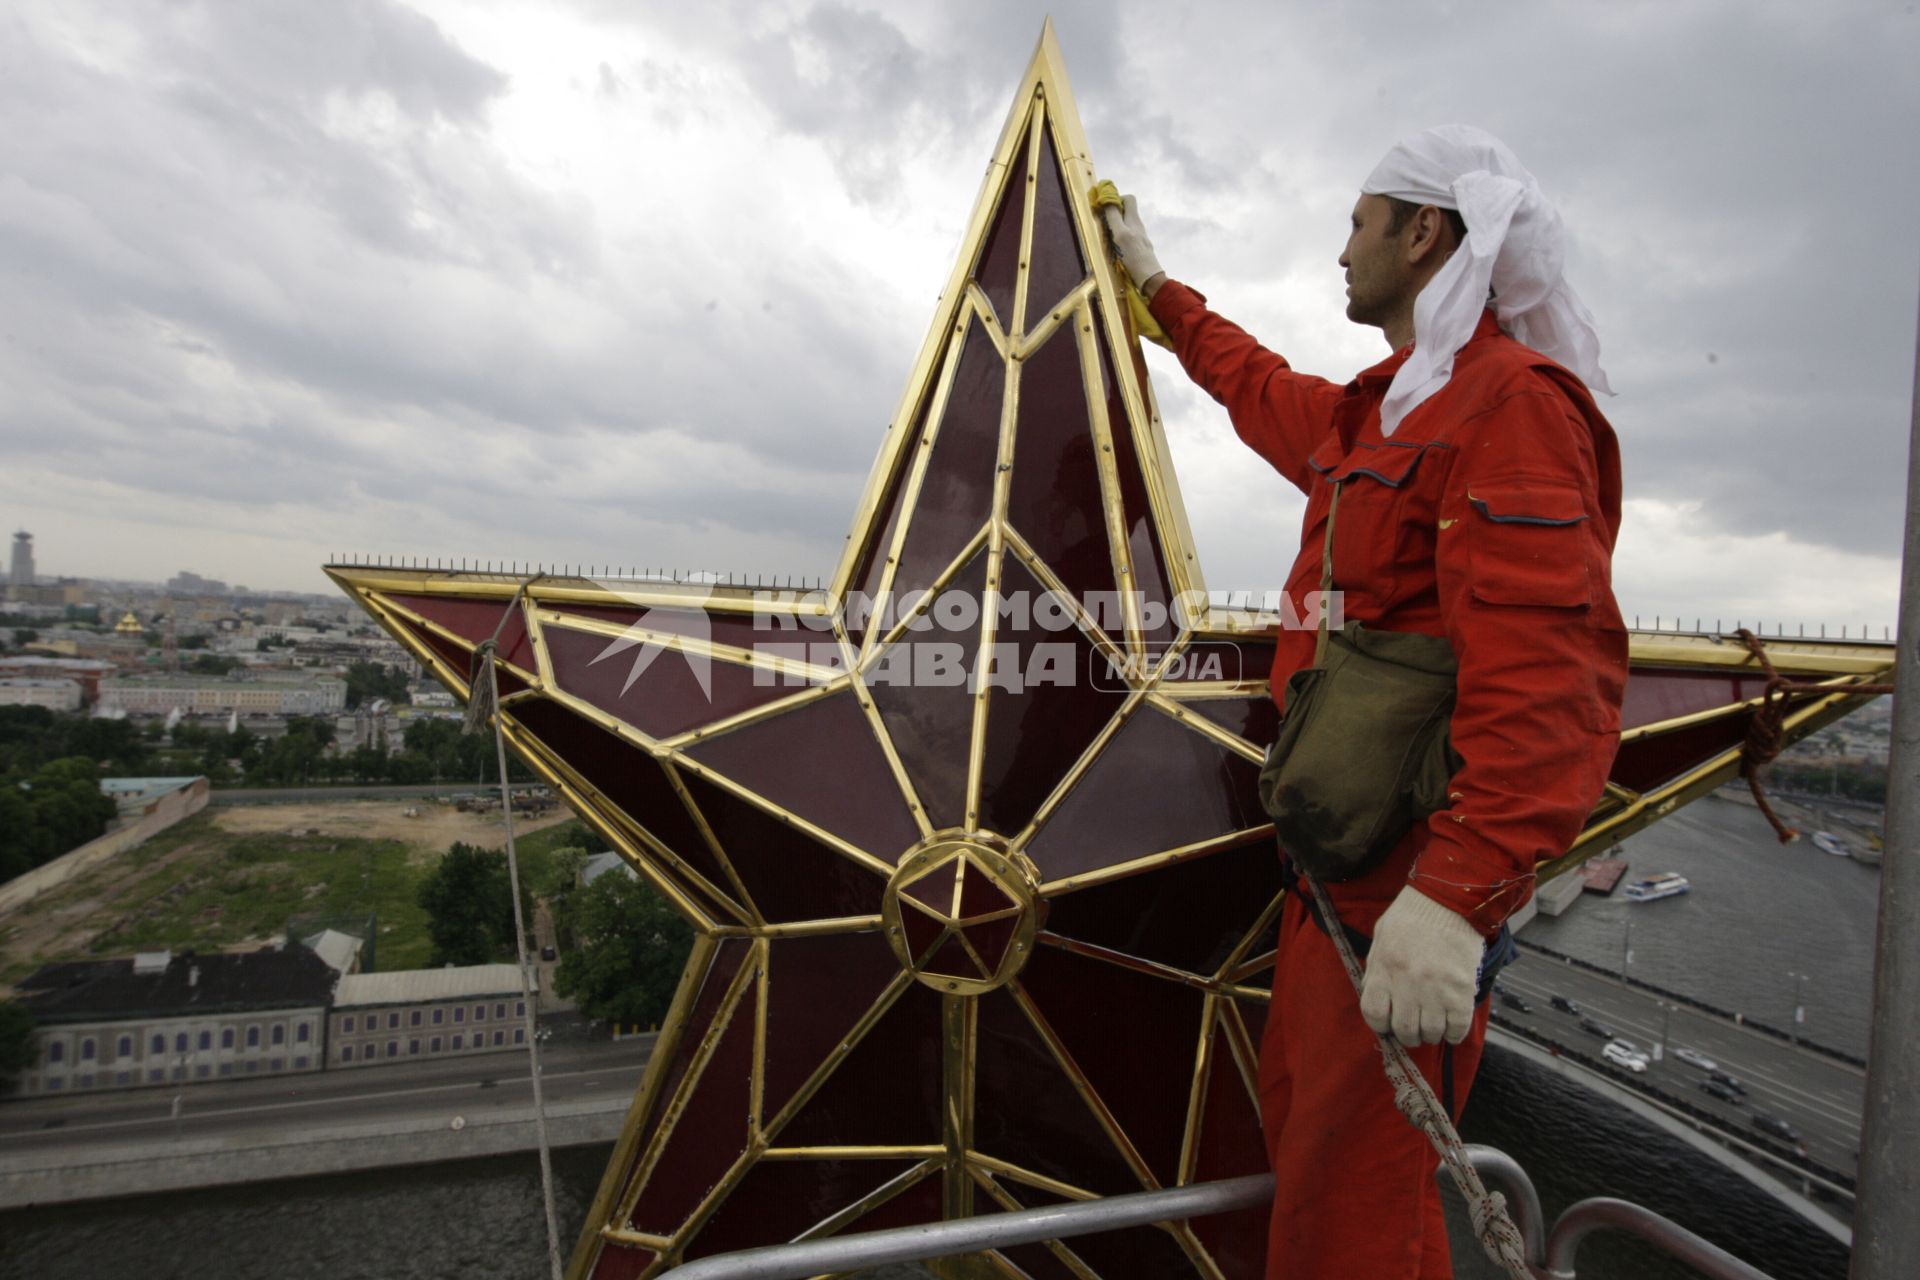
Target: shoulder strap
{"x": 1326, "y": 577}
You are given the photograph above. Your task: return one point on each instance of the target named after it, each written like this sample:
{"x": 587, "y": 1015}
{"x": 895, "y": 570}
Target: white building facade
{"x": 426, "y": 1013}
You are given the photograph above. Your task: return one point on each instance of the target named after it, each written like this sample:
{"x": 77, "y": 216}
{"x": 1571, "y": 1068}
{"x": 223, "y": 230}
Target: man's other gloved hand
{"x": 1130, "y": 239}
{"x": 1421, "y": 971}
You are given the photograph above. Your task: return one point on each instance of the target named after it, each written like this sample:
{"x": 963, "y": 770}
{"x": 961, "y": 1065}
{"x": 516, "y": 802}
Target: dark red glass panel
{"x": 1254, "y": 1012}
{"x": 1231, "y": 1145}
{"x": 636, "y": 784}
{"x": 887, "y": 1091}
{"x": 474, "y": 621}
{"x": 1054, "y": 499}
{"x": 980, "y": 895}
{"x": 1655, "y": 695}
{"x": 780, "y": 1199}
{"x": 1027, "y": 1111}
{"x": 818, "y": 988}
{"x": 1153, "y": 915}
{"x": 665, "y": 697}
{"x": 1255, "y": 719}
{"x": 921, "y": 1202}
{"x": 952, "y": 959}
{"x": 1057, "y": 264}
{"x": 822, "y": 761}
{"x": 1212, "y": 660}
{"x": 721, "y": 968}
{"x": 1037, "y": 1261}
{"x": 1155, "y": 786}
{"x": 922, "y": 933}
{"x": 991, "y": 939}
{"x": 956, "y": 494}
{"x": 1119, "y": 1255}
{"x": 868, "y": 574}
{"x": 936, "y": 887}
{"x": 930, "y": 722}
{"x": 621, "y": 1262}
{"x": 1144, "y": 539}
{"x": 1000, "y": 256}
{"x": 710, "y": 1134}
{"x": 740, "y": 630}
{"x": 1135, "y": 1044}
{"x": 459, "y": 660}
{"x": 789, "y": 874}
{"x": 1647, "y": 762}
{"x": 1035, "y": 736}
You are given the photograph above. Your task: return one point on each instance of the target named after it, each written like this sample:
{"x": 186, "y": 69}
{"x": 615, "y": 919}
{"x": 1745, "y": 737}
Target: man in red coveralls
{"x": 1480, "y": 496}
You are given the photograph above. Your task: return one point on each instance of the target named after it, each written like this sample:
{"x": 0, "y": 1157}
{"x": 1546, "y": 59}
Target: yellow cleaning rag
{"x": 1105, "y": 194}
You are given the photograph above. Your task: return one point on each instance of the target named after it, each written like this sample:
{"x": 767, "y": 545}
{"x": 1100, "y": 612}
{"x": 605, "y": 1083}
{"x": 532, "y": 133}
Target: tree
{"x": 629, "y": 949}
{"x": 371, "y": 680}
{"x": 213, "y": 664}
{"x": 469, "y": 903}
{"x": 16, "y": 1041}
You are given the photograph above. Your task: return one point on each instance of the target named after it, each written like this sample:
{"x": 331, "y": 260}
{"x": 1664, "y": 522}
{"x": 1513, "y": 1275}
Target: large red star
{"x": 981, "y": 890}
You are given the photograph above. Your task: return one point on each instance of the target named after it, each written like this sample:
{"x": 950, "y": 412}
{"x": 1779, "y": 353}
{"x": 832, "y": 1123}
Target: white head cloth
{"x": 1515, "y": 245}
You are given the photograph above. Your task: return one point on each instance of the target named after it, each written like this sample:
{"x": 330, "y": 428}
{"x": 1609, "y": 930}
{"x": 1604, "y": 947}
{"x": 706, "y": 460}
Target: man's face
{"x": 1378, "y": 274}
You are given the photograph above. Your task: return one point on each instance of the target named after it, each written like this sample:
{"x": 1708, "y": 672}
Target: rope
{"x": 1492, "y": 1225}
{"x": 483, "y": 705}
{"x": 1767, "y": 731}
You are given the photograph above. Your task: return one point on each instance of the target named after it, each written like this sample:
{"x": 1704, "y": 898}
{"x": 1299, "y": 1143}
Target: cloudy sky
{"x": 631, "y": 282}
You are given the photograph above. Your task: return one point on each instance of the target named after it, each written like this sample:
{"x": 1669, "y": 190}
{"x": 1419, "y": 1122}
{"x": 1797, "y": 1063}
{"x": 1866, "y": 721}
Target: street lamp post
{"x": 1626, "y": 948}
{"x": 1799, "y": 1005}
{"x": 1666, "y": 1027}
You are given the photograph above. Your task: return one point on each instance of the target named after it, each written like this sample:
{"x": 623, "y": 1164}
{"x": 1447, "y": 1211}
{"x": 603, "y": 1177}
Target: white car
{"x": 1696, "y": 1059}
{"x": 1621, "y": 1056}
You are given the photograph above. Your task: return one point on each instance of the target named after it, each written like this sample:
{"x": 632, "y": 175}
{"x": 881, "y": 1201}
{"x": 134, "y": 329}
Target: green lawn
{"x": 249, "y": 885}
{"x": 236, "y": 886}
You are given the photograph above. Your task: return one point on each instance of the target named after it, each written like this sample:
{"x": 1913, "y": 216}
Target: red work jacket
{"x": 1488, "y": 518}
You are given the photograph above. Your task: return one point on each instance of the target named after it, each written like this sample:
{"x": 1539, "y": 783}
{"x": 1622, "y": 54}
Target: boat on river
{"x": 1667, "y": 884}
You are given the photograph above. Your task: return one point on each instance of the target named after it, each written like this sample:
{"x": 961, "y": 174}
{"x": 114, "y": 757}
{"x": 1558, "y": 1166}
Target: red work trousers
{"x": 1356, "y": 1197}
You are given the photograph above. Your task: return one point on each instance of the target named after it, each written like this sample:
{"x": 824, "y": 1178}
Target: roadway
{"x": 1822, "y": 1098}
{"x": 572, "y": 1072}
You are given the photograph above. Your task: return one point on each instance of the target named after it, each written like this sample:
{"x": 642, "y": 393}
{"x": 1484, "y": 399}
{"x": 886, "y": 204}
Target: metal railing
{"x": 989, "y": 1231}
{"x": 1550, "y": 1255}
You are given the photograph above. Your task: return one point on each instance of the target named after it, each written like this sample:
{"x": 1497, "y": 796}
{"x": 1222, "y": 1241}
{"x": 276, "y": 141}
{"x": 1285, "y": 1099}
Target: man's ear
{"x": 1428, "y": 235}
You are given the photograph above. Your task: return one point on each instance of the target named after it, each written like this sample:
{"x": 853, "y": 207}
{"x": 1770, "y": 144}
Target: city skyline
{"x": 461, "y": 280}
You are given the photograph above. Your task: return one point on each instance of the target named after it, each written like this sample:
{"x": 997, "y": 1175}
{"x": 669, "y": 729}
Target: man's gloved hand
{"x": 1421, "y": 971}
{"x": 1130, "y": 239}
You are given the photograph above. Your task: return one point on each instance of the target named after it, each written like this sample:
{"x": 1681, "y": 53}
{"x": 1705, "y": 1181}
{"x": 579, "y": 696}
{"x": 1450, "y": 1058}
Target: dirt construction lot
{"x": 437, "y": 826}
{"x": 232, "y": 877}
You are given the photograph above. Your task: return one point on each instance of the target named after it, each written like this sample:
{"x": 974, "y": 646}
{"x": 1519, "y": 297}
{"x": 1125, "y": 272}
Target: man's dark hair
{"x": 1398, "y": 211}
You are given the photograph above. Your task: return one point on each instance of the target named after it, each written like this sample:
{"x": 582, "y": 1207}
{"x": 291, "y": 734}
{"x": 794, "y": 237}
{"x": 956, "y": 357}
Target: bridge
{"x": 1820, "y": 1093}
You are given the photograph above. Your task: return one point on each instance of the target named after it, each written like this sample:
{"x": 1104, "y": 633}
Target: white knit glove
{"x": 1130, "y": 240}
{"x": 1421, "y": 971}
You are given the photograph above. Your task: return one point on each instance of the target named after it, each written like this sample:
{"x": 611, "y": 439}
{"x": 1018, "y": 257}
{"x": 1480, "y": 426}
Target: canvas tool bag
{"x": 1362, "y": 751}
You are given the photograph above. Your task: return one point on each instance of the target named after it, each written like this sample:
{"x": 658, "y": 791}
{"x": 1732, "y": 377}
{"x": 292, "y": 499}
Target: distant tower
{"x": 22, "y": 575}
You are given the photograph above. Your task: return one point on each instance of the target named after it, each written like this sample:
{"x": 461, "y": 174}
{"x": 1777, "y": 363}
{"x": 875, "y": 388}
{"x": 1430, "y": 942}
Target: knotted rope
{"x": 1767, "y": 731}
{"x": 483, "y": 704}
{"x": 1492, "y": 1224}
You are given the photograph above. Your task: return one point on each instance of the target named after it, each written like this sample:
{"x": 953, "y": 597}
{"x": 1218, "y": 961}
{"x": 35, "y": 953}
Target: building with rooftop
{"x": 426, "y": 1013}
{"x": 54, "y": 695}
{"x": 161, "y": 1018}
{"x": 339, "y": 949}
{"x": 21, "y": 572}
{"x": 291, "y": 695}
{"x": 85, "y": 672}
